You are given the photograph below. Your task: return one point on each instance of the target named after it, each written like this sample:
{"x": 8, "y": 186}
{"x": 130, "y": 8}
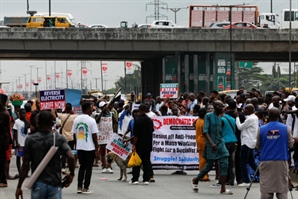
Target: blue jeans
{"x": 247, "y": 157}
{"x": 41, "y": 190}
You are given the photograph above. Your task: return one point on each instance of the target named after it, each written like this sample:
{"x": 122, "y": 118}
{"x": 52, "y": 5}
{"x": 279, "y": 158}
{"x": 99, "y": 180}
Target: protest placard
{"x": 52, "y": 99}
{"x": 174, "y": 143}
{"x": 105, "y": 128}
{"x": 117, "y": 146}
{"x": 169, "y": 90}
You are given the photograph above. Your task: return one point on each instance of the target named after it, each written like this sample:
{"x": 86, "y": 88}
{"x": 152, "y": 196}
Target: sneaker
{"x": 87, "y": 191}
{"x": 195, "y": 184}
{"x": 109, "y": 170}
{"x": 104, "y": 170}
{"x": 243, "y": 184}
{"x": 215, "y": 185}
{"x": 146, "y": 183}
{"x": 134, "y": 183}
{"x": 79, "y": 190}
{"x": 152, "y": 180}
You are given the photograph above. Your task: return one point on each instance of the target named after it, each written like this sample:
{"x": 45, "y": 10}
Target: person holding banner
{"x": 105, "y": 121}
{"x": 48, "y": 183}
{"x": 215, "y": 148}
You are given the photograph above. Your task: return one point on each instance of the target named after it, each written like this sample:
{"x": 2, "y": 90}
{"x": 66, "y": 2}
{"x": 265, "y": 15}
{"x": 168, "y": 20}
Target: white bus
{"x": 285, "y": 18}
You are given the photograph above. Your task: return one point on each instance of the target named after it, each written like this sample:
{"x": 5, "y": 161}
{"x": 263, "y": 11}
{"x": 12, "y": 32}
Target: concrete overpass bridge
{"x": 200, "y": 57}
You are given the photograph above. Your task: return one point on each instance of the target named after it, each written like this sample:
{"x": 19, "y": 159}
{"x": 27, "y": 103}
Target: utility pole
{"x": 96, "y": 78}
{"x": 101, "y": 76}
{"x": 156, "y": 15}
{"x": 66, "y": 72}
{"x": 231, "y": 47}
{"x": 105, "y": 83}
{"x": 31, "y": 66}
{"x": 271, "y": 6}
{"x": 25, "y": 82}
{"x": 290, "y": 44}
{"x": 175, "y": 10}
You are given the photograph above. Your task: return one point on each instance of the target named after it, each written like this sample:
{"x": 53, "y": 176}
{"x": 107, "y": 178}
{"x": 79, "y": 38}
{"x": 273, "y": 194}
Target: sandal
{"x": 226, "y": 192}
{"x": 195, "y": 185}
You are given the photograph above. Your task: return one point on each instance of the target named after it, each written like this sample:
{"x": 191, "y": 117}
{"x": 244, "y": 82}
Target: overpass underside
{"x": 197, "y": 59}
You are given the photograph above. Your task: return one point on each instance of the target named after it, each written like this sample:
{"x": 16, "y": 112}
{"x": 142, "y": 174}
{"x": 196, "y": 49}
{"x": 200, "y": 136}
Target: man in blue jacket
{"x": 274, "y": 139}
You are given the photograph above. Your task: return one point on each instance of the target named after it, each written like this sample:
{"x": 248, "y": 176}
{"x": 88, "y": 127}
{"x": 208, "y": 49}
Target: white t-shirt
{"x": 84, "y": 126}
{"x": 151, "y": 114}
{"x": 19, "y": 126}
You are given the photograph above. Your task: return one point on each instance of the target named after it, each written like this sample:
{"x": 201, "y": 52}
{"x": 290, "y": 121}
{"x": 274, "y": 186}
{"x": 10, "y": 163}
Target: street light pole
{"x": 96, "y": 78}
{"x": 290, "y": 44}
{"x": 231, "y": 47}
{"x": 175, "y": 10}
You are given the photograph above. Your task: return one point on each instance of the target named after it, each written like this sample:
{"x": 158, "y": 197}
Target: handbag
{"x": 134, "y": 160}
{"x": 60, "y": 131}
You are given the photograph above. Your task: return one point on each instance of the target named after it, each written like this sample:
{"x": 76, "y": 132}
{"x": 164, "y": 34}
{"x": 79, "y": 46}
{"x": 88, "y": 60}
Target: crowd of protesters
{"x": 228, "y": 131}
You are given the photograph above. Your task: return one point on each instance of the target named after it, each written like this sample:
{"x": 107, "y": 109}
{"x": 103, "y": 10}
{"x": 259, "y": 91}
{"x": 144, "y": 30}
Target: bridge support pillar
{"x": 151, "y": 73}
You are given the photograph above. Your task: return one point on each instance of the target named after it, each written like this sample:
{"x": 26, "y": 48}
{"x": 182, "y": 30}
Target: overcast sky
{"x": 110, "y": 13}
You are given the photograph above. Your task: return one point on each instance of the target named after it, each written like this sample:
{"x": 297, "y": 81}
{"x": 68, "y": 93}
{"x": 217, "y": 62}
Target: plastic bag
{"x": 134, "y": 160}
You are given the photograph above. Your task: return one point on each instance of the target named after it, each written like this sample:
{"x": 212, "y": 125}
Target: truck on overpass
{"x": 201, "y": 16}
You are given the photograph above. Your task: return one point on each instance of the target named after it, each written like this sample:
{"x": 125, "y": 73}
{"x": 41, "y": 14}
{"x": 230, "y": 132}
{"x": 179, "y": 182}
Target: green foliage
{"x": 250, "y": 78}
{"x": 132, "y": 81}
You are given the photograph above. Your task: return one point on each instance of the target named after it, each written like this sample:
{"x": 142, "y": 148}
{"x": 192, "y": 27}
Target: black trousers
{"x": 147, "y": 168}
{"x": 86, "y": 159}
{"x": 2, "y": 165}
{"x": 63, "y": 157}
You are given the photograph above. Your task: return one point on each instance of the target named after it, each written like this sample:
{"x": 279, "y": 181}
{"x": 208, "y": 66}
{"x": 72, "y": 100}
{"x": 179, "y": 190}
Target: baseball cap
{"x": 290, "y": 98}
{"x": 148, "y": 94}
{"x": 101, "y": 104}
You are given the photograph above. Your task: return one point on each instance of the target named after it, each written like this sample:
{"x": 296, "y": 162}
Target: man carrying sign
{"x": 105, "y": 124}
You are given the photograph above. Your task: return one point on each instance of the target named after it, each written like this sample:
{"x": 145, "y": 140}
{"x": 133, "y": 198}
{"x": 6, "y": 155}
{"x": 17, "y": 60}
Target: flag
{"x": 116, "y": 97}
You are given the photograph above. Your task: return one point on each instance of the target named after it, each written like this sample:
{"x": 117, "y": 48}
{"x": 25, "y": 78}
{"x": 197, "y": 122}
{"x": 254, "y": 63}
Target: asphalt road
{"x": 167, "y": 186}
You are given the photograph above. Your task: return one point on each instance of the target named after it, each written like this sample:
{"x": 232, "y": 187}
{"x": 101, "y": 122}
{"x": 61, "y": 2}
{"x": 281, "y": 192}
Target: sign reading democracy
{"x": 174, "y": 143}
{"x": 117, "y": 146}
{"x": 168, "y": 90}
{"x": 52, "y": 99}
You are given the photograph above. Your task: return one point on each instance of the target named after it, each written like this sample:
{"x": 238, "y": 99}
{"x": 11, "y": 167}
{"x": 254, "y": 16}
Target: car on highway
{"x": 98, "y": 26}
{"x": 80, "y": 25}
{"x": 219, "y": 24}
{"x": 144, "y": 26}
{"x": 164, "y": 24}
{"x": 244, "y": 25}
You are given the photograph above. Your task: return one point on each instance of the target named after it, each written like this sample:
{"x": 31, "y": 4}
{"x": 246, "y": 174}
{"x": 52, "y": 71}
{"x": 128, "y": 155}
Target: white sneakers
{"x": 243, "y": 184}
{"x": 134, "y": 183}
{"x": 108, "y": 170}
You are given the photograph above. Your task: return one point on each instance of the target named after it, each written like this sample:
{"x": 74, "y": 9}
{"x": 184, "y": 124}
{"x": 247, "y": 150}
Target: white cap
{"x": 101, "y": 104}
{"x": 290, "y": 98}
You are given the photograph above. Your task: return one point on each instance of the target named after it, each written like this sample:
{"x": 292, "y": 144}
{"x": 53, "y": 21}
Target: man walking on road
{"x": 274, "y": 139}
{"x": 48, "y": 184}
{"x": 142, "y": 144}
{"x": 215, "y": 148}
{"x": 85, "y": 129}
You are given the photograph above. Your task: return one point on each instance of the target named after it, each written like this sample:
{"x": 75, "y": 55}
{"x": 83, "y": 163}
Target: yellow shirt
{"x": 200, "y": 137}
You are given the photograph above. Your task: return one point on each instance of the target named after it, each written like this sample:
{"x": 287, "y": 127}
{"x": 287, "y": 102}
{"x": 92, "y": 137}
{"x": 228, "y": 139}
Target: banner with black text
{"x": 174, "y": 143}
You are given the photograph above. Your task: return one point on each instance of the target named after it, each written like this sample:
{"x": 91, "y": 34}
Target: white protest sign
{"x": 105, "y": 128}
{"x": 169, "y": 90}
{"x": 174, "y": 143}
{"x": 117, "y": 146}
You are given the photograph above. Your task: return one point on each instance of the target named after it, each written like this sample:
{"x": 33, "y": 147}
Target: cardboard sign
{"x": 105, "y": 128}
{"x": 169, "y": 91}
{"x": 52, "y": 99}
{"x": 117, "y": 146}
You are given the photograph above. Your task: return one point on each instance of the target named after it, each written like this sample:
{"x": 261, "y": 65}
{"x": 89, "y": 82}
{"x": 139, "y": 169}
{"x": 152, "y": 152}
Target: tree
{"x": 133, "y": 81}
{"x": 274, "y": 74}
{"x": 250, "y": 77}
